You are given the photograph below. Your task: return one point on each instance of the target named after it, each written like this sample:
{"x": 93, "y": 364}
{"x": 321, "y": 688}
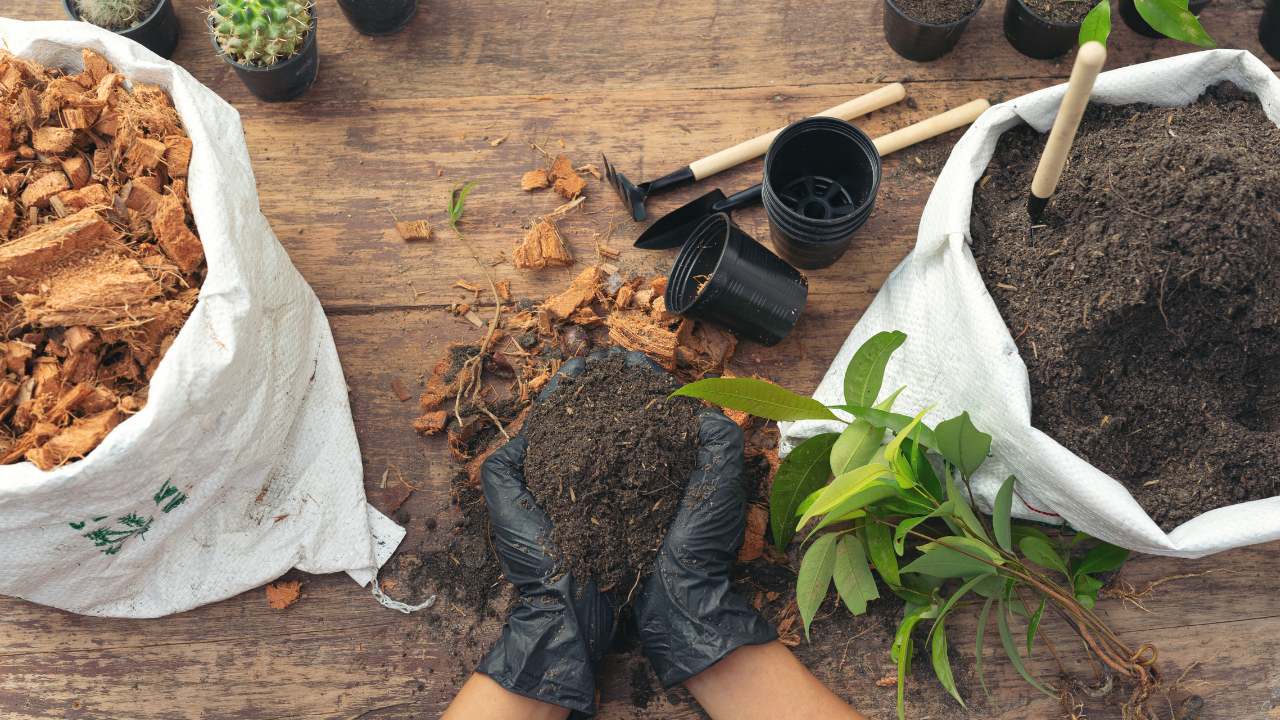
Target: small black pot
{"x": 1134, "y": 20}
{"x": 158, "y": 32}
{"x": 821, "y": 175}
{"x": 724, "y": 276}
{"x": 920, "y": 41}
{"x": 1269, "y": 29}
{"x": 378, "y": 17}
{"x": 284, "y": 80}
{"x": 1036, "y": 37}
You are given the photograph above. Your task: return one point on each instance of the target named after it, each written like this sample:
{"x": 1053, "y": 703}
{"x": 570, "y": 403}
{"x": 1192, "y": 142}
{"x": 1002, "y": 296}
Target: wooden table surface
{"x": 394, "y": 123}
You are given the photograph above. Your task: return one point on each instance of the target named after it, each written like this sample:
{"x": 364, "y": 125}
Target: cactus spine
{"x": 260, "y": 32}
{"x": 114, "y": 14}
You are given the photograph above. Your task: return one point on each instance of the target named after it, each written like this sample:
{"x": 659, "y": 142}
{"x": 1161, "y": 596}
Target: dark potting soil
{"x": 1146, "y": 305}
{"x": 1063, "y": 12}
{"x": 936, "y": 12}
{"x": 609, "y": 456}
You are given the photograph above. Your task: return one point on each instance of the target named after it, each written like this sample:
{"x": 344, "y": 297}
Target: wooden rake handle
{"x": 933, "y": 127}
{"x": 757, "y": 146}
{"x": 1089, "y": 62}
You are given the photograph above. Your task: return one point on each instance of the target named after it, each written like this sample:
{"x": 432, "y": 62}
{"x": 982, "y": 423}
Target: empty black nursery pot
{"x": 1035, "y": 36}
{"x": 820, "y": 180}
{"x": 724, "y": 276}
{"x": 1269, "y": 28}
{"x": 158, "y": 31}
{"x": 378, "y": 17}
{"x": 922, "y": 41}
{"x": 1134, "y": 20}
{"x": 286, "y": 79}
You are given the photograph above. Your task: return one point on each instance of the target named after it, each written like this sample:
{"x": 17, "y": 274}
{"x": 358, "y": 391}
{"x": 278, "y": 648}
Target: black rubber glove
{"x": 687, "y": 615}
{"x": 558, "y": 632}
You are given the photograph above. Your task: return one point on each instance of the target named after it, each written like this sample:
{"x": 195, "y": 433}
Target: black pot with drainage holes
{"x": 820, "y": 181}
{"x": 1037, "y": 37}
{"x": 723, "y": 275}
{"x": 158, "y": 31}
{"x": 922, "y": 41}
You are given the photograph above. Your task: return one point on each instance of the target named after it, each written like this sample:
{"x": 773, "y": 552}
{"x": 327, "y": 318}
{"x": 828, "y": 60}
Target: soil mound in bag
{"x": 960, "y": 354}
{"x": 243, "y": 462}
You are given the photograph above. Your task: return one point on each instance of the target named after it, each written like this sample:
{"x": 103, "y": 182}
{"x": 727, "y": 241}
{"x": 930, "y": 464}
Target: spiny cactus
{"x": 114, "y": 14}
{"x": 260, "y": 32}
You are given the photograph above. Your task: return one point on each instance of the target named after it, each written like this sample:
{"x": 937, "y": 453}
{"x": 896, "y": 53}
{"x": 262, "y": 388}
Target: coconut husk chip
{"x": 535, "y": 180}
{"x": 542, "y": 247}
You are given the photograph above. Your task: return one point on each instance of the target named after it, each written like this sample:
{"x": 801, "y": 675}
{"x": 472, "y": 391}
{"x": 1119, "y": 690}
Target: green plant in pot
{"x": 1176, "y": 19}
{"x": 902, "y": 508}
{"x": 271, "y": 44}
{"x": 151, "y": 23}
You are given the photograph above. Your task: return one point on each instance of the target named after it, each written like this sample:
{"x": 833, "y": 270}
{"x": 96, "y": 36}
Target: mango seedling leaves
{"x": 1001, "y": 515}
{"x": 1173, "y": 19}
{"x": 942, "y": 663}
{"x": 760, "y": 398}
{"x": 1034, "y": 624}
{"x": 845, "y": 487}
{"x": 925, "y": 476}
{"x": 978, "y": 638}
{"x": 1097, "y": 24}
{"x": 909, "y": 524}
{"x": 1006, "y": 639}
{"x": 963, "y": 511}
{"x": 856, "y": 446}
{"x": 902, "y": 647}
{"x": 804, "y": 471}
{"x": 896, "y": 422}
{"x": 895, "y": 445}
{"x": 1043, "y": 554}
{"x": 853, "y": 506}
{"x": 954, "y": 557}
{"x": 1103, "y": 558}
{"x": 1087, "y": 587}
{"x": 865, "y": 374}
{"x": 880, "y": 548}
{"x": 815, "y": 577}
{"x": 962, "y": 444}
{"x": 853, "y": 578}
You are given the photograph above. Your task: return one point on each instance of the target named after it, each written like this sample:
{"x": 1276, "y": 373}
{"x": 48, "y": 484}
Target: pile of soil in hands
{"x": 1146, "y": 303}
{"x": 609, "y": 456}
{"x": 936, "y": 12}
{"x": 99, "y": 262}
{"x": 1063, "y": 12}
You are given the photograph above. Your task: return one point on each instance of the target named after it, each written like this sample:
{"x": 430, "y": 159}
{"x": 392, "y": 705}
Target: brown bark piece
{"x": 570, "y": 187}
{"x": 6, "y": 134}
{"x": 102, "y": 290}
{"x": 95, "y": 65}
{"x": 414, "y": 230}
{"x": 145, "y": 154}
{"x": 635, "y": 330}
{"x": 52, "y": 140}
{"x": 753, "y": 539}
{"x": 561, "y": 167}
{"x": 33, "y": 254}
{"x": 580, "y": 292}
{"x": 8, "y": 212}
{"x": 174, "y": 237}
{"x": 542, "y": 247}
{"x": 37, "y": 194}
{"x": 95, "y": 195}
{"x": 504, "y": 290}
{"x": 177, "y": 155}
{"x": 141, "y": 197}
{"x": 77, "y": 169}
{"x": 431, "y": 423}
{"x": 534, "y": 180}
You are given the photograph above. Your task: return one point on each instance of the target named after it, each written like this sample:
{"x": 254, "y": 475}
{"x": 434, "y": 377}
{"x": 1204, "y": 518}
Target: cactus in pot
{"x": 260, "y": 32}
{"x": 114, "y": 14}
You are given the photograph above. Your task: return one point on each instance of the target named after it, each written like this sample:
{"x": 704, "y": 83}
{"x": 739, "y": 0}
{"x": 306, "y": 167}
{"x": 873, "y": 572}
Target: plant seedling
{"x": 903, "y": 508}
{"x": 260, "y": 32}
{"x": 114, "y": 14}
{"x": 1170, "y": 18}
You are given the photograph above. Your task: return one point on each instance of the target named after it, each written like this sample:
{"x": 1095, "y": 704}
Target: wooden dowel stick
{"x": 1089, "y": 62}
{"x": 934, "y": 126}
{"x": 755, "y": 147}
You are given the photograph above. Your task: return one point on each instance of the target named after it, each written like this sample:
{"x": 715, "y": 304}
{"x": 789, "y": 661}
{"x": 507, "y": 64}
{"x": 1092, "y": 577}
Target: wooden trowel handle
{"x": 933, "y": 127}
{"x": 755, "y": 147}
{"x": 1089, "y": 62}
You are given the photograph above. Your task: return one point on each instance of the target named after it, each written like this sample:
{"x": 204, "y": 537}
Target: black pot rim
{"x": 692, "y": 250}
{"x": 922, "y": 23}
{"x": 1045, "y": 20}
{"x": 70, "y": 7}
{"x": 311, "y": 39}
{"x": 832, "y": 225}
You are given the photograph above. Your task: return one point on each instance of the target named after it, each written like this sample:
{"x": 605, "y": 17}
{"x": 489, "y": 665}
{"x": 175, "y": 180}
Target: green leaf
{"x": 942, "y": 663}
{"x": 1087, "y": 586}
{"x": 1086, "y": 601}
{"x": 902, "y": 647}
{"x": 895, "y": 445}
{"x": 845, "y": 487}
{"x": 925, "y": 475}
{"x": 964, "y": 445}
{"x": 865, "y": 374}
{"x": 1001, "y": 515}
{"x": 855, "y": 447}
{"x": 896, "y": 422}
{"x": 1171, "y": 18}
{"x": 853, "y": 578}
{"x": 959, "y": 594}
{"x": 977, "y": 645}
{"x": 760, "y": 398}
{"x": 963, "y": 511}
{"x": 954, "y": 557}
{"x": 1103, "y": 558}
{"x": 853, "y": 505}
{"x": 1034, "y": 624}
{"x": 802, "y": 472}
{"x": 1097, "y": 24}
{"x": 458, "y": 201}
{"x": 1043, "y": 554}
{"x": 1022, "y": 530}
{"x": 909, "y": 524}
{"x": 815, "y": 577}
{"x": 1006, "y": 639}
{"x": 880, "y": 548}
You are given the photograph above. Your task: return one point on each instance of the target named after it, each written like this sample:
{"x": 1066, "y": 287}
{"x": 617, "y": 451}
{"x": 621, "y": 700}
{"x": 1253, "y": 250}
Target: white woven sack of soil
{"x": 960, "y": 356}
{"x": 244, "y": 462}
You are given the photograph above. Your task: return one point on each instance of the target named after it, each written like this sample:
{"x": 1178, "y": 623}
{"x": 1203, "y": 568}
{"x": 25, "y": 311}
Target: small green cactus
{"x": 114, "y": 14}
{"x": 260, "y": 32}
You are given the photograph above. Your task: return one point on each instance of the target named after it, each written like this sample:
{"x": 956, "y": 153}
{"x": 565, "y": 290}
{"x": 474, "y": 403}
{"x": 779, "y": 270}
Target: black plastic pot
{"x": 921, "y": 41}
{"x": 1036, "y": 37}
{"x": 821, "y": 175}
{"x": 286, "y": 79}
{"x": 1269, "y": 29}
{"x": 158, "y": 32}
{"x": 1134, "y": 20}
{"x": 724, "y": 276}
{"x": 378, "y": 17}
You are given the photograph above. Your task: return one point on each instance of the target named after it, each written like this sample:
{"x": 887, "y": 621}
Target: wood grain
{"x": 392, "y": 125}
